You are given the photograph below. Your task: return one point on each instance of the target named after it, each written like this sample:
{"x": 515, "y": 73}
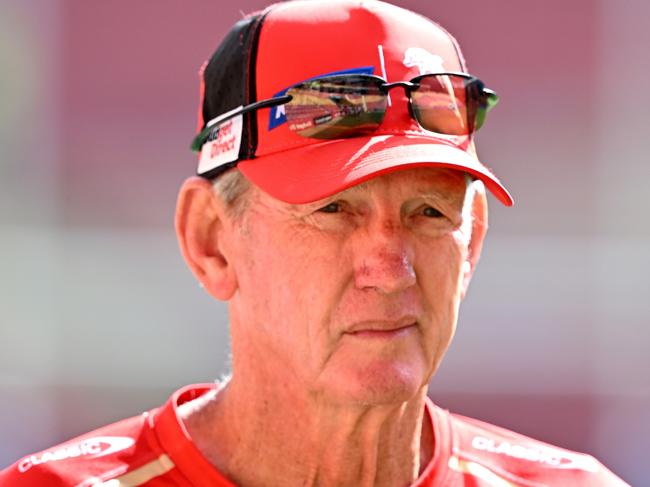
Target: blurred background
{"x": 100, "y": 319}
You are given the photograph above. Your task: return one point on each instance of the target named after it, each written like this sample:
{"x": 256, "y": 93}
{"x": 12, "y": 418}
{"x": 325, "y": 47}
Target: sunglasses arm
{"x": 224, "y": 117}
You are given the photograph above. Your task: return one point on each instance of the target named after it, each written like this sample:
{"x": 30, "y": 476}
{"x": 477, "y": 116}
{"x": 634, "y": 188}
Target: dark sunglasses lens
{"x": 336, "y": 107}
{"x": 449, "y": 104}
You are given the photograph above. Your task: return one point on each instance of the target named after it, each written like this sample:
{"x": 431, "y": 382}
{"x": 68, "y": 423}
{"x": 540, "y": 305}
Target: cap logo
{"x": 222, "y": 145}
{"x": 422, "y": 59}
{"x": 277, "y": 116}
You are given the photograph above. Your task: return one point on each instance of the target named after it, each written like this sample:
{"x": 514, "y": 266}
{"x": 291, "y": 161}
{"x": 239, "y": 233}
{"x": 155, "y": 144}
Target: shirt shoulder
{"x": 124, "y": 448}
{"x": 486, "y": 452}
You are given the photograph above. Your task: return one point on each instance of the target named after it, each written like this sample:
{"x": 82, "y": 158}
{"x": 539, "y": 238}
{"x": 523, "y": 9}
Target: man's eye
{"x": 431, "y": 212}
{"x": 331, "y": 208}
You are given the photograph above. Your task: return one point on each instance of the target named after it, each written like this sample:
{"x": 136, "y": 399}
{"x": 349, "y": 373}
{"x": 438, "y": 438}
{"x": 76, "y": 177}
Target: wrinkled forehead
{"x": 399, "y": 185}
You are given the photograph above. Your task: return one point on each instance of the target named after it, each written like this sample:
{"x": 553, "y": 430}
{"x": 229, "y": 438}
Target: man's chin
{"x": 378, "y": 383}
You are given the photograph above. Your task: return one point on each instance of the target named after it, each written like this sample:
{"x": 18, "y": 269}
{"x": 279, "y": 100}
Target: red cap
{"x": 302, "y": 39}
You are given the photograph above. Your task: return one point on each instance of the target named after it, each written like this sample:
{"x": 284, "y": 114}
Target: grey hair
{"x": 231, "y": 187}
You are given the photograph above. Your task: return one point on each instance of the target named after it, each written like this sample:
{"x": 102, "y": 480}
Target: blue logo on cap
{"x": 277, "y": 116}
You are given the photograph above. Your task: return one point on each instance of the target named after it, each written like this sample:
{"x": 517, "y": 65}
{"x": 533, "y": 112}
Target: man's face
{"x": 353, "y": 297}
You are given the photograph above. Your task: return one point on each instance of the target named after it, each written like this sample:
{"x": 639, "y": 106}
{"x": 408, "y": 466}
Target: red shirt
{"x": 154, "y": 450}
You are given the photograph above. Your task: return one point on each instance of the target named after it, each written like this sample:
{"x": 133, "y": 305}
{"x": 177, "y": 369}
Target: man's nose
{"x": 384, "y": 259}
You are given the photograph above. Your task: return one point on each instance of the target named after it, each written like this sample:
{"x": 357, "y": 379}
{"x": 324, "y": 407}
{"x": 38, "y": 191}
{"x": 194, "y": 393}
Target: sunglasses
{"x": 351, "y": 105}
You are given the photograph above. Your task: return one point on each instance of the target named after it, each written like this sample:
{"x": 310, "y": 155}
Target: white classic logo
{"x": 92, "y": 447}
{"x": 548, "y": 456}
{"x": 424, "y": 60}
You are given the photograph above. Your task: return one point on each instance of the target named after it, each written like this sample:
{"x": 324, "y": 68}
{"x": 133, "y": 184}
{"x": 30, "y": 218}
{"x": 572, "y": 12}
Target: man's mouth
{"x": 383, "y": 329}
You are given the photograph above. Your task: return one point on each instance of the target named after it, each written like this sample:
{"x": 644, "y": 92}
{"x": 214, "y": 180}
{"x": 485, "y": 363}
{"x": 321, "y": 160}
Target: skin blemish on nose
{"x": 386, "y": 271}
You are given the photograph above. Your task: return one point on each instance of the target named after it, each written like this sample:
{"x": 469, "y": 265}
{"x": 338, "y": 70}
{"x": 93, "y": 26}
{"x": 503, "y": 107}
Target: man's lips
{"x": 383, "y": 333}
{"x": 382, "y": 327}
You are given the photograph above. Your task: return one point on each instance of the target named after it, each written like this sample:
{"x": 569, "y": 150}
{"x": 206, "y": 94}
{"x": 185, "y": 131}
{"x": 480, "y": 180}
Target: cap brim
{"x": 313, "y": 172}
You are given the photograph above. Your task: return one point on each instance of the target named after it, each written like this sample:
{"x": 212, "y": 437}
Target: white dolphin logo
{"x": 424, "y": 60}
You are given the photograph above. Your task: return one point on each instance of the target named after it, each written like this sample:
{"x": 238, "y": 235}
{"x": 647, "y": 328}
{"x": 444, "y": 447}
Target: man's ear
{"x": 202, "y": 229}
{"x": 479, "y": 229}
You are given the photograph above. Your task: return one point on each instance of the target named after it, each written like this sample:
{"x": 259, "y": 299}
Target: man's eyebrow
{"x": 446, "y": 196}
{"x": 434, "y": 194}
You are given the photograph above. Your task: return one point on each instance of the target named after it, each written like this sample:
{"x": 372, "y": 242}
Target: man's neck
{"x": 256, "y": 438}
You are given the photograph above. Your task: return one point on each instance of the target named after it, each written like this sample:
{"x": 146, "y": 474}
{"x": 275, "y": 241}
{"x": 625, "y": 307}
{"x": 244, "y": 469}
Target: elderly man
{"x": 340, "y": 210}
